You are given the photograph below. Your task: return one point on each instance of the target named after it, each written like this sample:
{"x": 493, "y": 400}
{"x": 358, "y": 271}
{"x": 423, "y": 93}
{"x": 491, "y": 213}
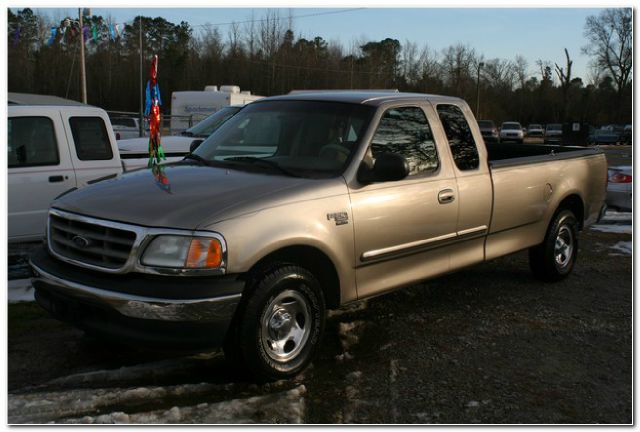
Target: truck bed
{"x": 504, "y": 155}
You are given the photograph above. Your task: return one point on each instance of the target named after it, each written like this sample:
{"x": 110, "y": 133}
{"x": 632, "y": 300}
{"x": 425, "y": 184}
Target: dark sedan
{"x": 489, "y": 131}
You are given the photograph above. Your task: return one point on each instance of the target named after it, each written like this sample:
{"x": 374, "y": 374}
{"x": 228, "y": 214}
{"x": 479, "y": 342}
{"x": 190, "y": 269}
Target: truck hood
{"x": 184, "y": 196}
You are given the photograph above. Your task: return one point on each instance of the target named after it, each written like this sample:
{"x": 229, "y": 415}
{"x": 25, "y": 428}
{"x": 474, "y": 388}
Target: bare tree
{"x": 565, "y": 82}
{"x": 500, "y": 73}
{"x": 520, "y": 66}
{"x": 458, "y": 62}
{"x": 233, "y": 35}
{"x": 610, "y": 42}
{"x": 430, "y": 68}
{"x": 611, "y": 45}
{"x": 410, "y": 63}
{"x": 271, "y": 33}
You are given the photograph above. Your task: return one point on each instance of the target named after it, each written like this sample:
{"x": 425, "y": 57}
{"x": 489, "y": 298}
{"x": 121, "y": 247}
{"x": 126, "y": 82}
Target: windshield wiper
{"x": 257, "y": 160}
{"x": 197, "y": 157}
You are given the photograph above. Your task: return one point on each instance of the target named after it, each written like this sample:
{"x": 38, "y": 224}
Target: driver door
{"x": 402, "y": 228}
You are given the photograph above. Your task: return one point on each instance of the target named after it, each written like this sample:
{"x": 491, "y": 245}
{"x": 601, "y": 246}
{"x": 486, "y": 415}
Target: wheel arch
{"x": 574, "y": 203}
{"x": 314, "y": 260}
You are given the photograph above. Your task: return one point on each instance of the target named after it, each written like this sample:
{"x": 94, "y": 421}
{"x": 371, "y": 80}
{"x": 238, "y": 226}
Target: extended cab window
{"x": 405, "y": 131}
{"x": 463, "y": 146}
{"x": 31, "y": 142}
{"x": 91, "y": 138}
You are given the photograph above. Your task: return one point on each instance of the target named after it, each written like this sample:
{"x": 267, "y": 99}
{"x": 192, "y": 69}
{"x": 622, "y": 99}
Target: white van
{"x": 53, "y": 150}
{"x": 196, "y": 105}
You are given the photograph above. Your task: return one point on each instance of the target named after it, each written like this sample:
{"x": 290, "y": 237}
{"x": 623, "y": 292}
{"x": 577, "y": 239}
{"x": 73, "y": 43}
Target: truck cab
{"x": 53, "y": 149}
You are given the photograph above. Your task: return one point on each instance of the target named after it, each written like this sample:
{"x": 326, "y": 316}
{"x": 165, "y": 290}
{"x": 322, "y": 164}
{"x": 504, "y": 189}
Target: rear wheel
{"x": 553, "y": 259}
{"x": 278, "y": 328}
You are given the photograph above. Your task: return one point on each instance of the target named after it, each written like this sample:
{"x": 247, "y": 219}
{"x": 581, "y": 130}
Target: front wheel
{"x": 554, "y": 258}
{"x": 279, "y": 326}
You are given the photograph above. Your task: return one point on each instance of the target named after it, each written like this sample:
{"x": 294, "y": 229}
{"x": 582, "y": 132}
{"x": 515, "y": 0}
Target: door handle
{"x": 446, "y": 196}
{"x": 56, "y": 179}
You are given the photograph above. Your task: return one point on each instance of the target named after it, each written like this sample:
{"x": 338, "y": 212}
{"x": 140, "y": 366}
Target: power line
{"x": 291, "y": 17}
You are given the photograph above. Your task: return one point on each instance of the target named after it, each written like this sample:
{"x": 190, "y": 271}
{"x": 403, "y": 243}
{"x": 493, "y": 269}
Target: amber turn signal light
{"x": 204, "y": 253}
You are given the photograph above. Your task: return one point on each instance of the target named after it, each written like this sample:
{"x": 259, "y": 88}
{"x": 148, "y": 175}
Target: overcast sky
{"x": 535, "y": 33}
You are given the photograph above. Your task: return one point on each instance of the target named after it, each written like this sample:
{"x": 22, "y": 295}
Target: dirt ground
{"x": 486, "y": 345}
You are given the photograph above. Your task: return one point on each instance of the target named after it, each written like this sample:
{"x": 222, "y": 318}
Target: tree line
{"x": 265, "y": 56}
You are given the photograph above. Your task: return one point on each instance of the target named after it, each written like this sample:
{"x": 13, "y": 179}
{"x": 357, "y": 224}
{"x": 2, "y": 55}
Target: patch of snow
{"x": 617, "y": 229}
{"x": 612, "y": 215}
{"x": 349, "y": 336}
{"x": 626, "y": 247}
{"x": 349, "y": 308}
{"x": 38, "y": 407}
{"x": 283, "y": 407}
{"x": 20, "y": 290}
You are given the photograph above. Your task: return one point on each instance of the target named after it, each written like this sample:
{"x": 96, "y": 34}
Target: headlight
{"x": 183, "y": 252}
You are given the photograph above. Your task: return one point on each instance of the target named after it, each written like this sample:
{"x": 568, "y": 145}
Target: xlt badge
{"x": 341, "y": 218}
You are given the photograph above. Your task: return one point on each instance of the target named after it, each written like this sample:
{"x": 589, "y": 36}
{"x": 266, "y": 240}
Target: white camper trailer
{"x": 196, "y": 105}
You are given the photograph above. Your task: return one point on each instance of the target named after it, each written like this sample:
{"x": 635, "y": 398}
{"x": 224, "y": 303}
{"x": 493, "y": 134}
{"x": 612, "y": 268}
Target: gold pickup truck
{"x": 303, "y": 203}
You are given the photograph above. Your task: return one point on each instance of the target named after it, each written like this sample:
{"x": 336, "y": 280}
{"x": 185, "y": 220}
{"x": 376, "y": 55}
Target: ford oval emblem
{"x": 80, "y": 241}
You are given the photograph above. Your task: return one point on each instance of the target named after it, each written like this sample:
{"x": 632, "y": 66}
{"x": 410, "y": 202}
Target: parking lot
{"x": 489, "y": 344}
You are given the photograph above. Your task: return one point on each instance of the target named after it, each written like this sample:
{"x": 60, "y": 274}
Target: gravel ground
{"x": 486, "y": 345}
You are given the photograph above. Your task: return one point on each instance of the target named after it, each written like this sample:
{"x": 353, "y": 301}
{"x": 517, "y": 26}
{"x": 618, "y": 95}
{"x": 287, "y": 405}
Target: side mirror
{"x": 388, "y": 167}
{"x": 194, "y": 145}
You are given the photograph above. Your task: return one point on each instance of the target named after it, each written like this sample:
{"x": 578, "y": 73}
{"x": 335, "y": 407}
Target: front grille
{"x": 90, "y": 243}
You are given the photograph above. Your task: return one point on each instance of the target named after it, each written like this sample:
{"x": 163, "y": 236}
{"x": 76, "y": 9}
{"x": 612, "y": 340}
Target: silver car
{"x": 511, "y": 131}
{"x": 620, "y": 187}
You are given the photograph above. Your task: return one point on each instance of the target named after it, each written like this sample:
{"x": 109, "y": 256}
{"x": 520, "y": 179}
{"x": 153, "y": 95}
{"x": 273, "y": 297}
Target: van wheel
{"x": 279, "y": 326}
{"x": 553, "y": 259}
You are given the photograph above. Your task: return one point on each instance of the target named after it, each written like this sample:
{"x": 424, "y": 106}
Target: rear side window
{"x": 123, "y": 121}
{"x": 31, "y": 142}
{"x": 91, "y": 138}
{"x": 463, "y": 146}
{"x": 406, "y": 131}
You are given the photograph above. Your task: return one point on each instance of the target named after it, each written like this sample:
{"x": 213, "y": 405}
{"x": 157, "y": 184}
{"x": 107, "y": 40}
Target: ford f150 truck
{"x": 303, "y": 203}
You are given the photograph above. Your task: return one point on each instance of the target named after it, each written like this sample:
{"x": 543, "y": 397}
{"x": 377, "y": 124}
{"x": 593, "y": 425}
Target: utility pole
{"x": 478, "y": 91}
{"x": 141, "y": 125}
{"x": 83, "y": 73}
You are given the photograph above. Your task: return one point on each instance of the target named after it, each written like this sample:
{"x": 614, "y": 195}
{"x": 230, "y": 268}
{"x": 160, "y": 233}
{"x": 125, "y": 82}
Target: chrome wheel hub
{"x": 563, "y": 250}
{"x": 285, "y": 326}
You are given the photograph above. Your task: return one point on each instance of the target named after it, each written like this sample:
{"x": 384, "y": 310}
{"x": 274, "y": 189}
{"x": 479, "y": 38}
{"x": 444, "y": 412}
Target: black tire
{"x": 554, "y": 258}
{"x": 285, "y": 304}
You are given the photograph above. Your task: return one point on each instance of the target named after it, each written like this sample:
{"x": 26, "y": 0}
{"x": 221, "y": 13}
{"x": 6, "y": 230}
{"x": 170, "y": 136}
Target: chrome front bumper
{"x": 200, "y": 310}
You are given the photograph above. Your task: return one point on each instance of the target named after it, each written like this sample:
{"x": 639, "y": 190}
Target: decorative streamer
{"x": 112, "y": 32}
{"x": 161, "y": 179}
{"x": 54, "y": 33}
{"x": 94, "y": 33}
{"x": 85, "y": 34}
{"x": 152, "y": 112}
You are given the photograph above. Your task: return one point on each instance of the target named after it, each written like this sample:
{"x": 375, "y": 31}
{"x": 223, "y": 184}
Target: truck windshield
{"x": 207, "y": 126}
{"x": 305, "y": 138}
